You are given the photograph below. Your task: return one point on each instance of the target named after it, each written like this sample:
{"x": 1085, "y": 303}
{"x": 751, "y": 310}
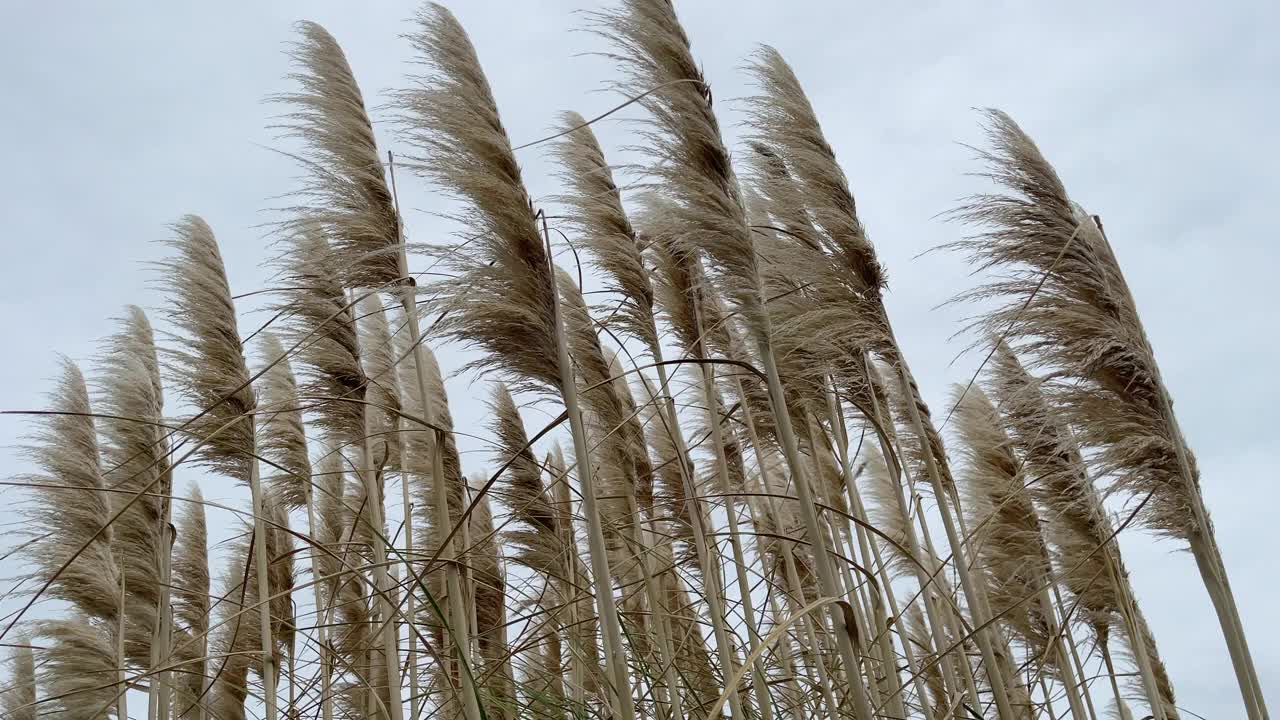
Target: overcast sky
{"x": 1161, "y": 117}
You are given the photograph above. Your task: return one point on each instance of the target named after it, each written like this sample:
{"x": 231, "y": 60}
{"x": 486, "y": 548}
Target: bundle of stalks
{"x": 503, "y": 295}
{"x": 1078, "y": 526}
{"x": 1065, "y": 306}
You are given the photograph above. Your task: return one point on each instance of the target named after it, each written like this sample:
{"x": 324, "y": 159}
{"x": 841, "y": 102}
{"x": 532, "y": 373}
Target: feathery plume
{"x": 191, "y": 564}
{"x": 330, "y": 493}
{"x": 491, "y": 614}
{"x": 420, "y": 464}
{"x": 1065, "y": 305}
{"x": 190, "y": 580}
{"x": 345, "y": 194}
{"x": 209, "y": 368}
{"x": 1077, "y": 524}
{"x": 917, "y": 633}
{"x": 69, "y": 505}
{"x": 690, "y": 164}
{"x": 379, "y": 360}
{"x": 671, "y": 501}
{"x": 886, "y": 514}
{"x": 134, "y": 451}
{"x": 537, "y": 539}
{"x": 76, "y": 668}
{"x": 595, "y": 211}
{"x": 282, "y": 435}
{"x": 207, "y": 363}
{"x": 500, "y": 298}
{"x": 1082, "y": 323}
{"x": 613, "y": 426}
{"x": 321, "y": 318}
{"x": 783, "y": 120}
{"x": 1009, "y": 542}
{"x": 18, "y": 696}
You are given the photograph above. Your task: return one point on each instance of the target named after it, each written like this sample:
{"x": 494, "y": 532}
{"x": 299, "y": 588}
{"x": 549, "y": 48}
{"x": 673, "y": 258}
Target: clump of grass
{"x": 709, "y": 545}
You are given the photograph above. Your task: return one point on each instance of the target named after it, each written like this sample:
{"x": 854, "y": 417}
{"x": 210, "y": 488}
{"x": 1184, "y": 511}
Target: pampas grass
{"x": 725, "y": 318}
{"x": 1066, "y": 305}
{"x": 209, "y": 370}
{"x": 69, "y": 509}
{"x": 18, "y": 698}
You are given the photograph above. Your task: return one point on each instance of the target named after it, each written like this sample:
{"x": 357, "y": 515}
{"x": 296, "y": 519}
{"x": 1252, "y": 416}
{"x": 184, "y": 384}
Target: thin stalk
{"x": 974, "y": 596}
{"x": 1111, "y": 675}
{"x": 753, "y": 438}
{"x": 468, "y": 580}
{"x": 457, "y": 608}
{"x": 1069, "y": 638}
{"x": 569, "y": 594}
{"x": 760, "y": 687}
{"x": 808, "y": 511}
{"x": 459, "y": 613}
{"x": 122, "y": 673}
{"x": 1065, "y": 668}
{"x": 164, "y": 609}
{"x": 615, "y": 652}
{"x": 1048, "y": 697}
{"x": 415, "y": 701}
{"x": 1137, "y": 641}
{"x": 293, "y": 674}
{"x": 322, "y": 643}
{"x": 202, "y": 705}
{"x": 264, "y": 591}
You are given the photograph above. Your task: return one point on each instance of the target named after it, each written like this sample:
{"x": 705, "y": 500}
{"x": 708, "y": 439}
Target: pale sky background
{"x": 1161, "y": 117}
